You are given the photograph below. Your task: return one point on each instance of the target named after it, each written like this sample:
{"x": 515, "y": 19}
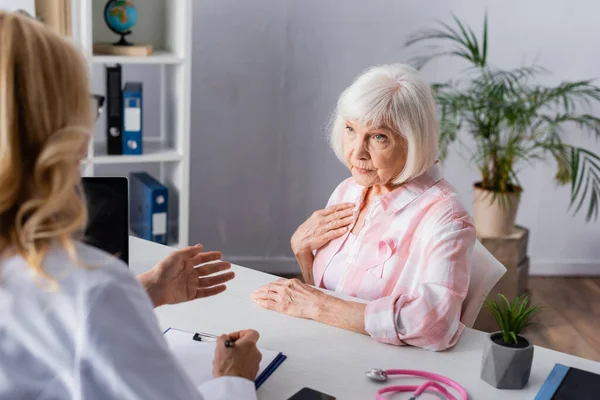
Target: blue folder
{"x": 269, "y": 370}
{"x": 148, "y": 207}
{"x": 132, "y": 118}
{"x": 566, "y": 383}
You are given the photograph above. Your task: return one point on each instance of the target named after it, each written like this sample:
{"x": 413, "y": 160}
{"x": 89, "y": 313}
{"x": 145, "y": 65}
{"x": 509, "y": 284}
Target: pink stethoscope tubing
{"x": 434, "y": 383}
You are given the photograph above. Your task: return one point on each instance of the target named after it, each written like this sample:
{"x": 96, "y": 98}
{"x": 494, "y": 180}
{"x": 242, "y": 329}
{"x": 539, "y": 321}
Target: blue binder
{"x": 132, "y": 118}
{"x": 566, "y": 383}
{"x": 148, "y": 207}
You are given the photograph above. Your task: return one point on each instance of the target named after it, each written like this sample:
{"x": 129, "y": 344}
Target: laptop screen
{"x": 108, "y": 222}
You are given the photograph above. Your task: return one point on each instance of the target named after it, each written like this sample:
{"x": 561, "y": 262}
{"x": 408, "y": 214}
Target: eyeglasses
{"x": 97, "y": 105}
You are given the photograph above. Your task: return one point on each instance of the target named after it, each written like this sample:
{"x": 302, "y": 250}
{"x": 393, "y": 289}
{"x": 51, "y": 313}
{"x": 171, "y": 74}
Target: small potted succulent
{"x": 507, "y": 355}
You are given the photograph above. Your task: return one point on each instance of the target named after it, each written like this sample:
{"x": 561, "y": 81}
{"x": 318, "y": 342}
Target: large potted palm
{"x": 511, "y": 121}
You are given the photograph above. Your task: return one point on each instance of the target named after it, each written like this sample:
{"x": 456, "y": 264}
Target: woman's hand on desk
{"x": 177, "y": 279}
{"x": 291, "y": 297}
{"x": 241, "y": 360}
{"x": 297, "y": 299}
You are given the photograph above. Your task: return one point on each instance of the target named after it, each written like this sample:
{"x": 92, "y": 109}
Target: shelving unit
{"x": 159, "y": 57}
{"x": 167, "y": 25}
{"x": 152, "y": 153}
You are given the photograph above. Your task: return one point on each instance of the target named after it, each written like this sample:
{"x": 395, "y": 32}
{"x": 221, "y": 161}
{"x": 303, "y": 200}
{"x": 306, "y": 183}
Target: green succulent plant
{"x": 512, "y": 318}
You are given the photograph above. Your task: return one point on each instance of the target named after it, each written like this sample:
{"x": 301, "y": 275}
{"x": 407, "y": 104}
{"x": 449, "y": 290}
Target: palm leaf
{"x": 464, "y": 38}
{"x": 585, "y": 179}
{"x": 485, "y": 38}
{"x": 470, "y": 42}
{"x": 511, "y": 121}
{"x": 593, "y": 208}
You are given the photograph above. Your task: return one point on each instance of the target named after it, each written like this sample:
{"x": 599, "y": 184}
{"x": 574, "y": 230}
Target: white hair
{"x": 394, "y": 96}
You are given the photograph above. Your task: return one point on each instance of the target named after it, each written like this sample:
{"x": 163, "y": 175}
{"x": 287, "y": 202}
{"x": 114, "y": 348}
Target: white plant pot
{"x": 495, "y": 215}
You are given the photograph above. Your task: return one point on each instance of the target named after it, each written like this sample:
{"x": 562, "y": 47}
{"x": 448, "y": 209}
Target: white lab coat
{"x": 95, "y": 338}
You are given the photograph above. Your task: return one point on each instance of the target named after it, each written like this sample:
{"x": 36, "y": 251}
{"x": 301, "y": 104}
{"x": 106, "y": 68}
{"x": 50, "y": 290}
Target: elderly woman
{"x": 394, "y": 234}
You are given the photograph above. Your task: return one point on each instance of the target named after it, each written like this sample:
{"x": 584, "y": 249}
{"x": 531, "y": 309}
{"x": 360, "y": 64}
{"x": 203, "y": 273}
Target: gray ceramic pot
{"x": 506, "y": 367}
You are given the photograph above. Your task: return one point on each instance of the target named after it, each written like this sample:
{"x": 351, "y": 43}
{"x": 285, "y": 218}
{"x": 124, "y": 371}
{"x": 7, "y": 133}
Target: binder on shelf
{"x": 132, "y": 118}
{"x": 148, "y": 207}
{"x": 114, "y": 110}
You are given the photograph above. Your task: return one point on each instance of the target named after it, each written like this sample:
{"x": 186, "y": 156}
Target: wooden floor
{"x": 570, "y": 321}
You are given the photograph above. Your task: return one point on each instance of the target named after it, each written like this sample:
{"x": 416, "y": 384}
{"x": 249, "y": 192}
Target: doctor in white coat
{"x": 74, "y": 324}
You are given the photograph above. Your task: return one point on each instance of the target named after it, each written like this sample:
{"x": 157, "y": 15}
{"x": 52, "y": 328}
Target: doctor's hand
{"x": 241, "y": 360}
{"x": 322, "y": 227}
{"x": 178, "y": 278}
{"x": 291, "y": 297}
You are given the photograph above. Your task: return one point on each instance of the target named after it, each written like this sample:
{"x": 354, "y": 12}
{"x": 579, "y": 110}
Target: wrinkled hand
{"x": 177, "y": 278}
{"x": 241, "y": 360}
{"x": 322, "y": 227}
{"x": 291, "y": 297}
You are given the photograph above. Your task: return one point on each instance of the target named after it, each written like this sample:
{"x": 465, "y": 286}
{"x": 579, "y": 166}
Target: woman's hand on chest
{"x": 322, "y": 227}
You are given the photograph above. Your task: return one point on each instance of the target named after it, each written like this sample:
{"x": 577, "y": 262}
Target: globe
{"x": 120, "y": 16}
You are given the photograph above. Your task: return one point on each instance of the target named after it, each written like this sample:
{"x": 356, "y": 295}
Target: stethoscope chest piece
{"x": 376, "y": 374}
{"x": 434, "y": 382}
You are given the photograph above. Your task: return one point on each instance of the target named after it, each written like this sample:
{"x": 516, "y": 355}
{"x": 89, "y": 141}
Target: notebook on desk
{"x": 566, "y": 383}
{"x": 196, "y": 357}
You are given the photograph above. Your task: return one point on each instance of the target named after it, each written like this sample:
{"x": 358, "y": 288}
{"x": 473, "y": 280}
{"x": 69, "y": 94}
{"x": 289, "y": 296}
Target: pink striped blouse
{"x": 411, "y": 260}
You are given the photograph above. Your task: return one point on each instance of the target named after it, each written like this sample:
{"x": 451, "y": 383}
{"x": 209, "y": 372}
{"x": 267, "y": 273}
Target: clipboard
{"x": 196, "y": 356}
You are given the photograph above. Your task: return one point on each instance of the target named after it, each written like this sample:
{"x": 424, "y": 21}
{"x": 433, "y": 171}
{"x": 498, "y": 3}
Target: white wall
{"x": 267, "y": 75}
{"x": 12, "y": 5}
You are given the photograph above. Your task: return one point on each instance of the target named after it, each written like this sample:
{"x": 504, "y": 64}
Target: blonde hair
{"x": 397, "y": 97}
{"x": 45, "y": 125}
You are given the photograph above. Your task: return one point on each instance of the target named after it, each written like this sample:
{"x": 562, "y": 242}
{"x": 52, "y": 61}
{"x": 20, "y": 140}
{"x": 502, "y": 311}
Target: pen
{"x": 198, "y": 337}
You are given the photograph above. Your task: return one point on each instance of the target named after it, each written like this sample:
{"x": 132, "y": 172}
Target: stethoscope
{"x": 434, "y": 384}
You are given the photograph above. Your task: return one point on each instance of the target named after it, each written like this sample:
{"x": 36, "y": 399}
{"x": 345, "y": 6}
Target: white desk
{"x": 330, "y": 359}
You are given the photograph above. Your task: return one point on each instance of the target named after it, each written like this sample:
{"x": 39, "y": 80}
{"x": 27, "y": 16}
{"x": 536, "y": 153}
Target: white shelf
{"x": 167, "y": 26}
{"x": 170, "y": 242}
{"x": 158, "y": 58}
{"x": 153, "y": 152}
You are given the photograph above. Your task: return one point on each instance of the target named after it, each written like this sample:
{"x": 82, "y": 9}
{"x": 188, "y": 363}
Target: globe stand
{"x": 123, "y": 41}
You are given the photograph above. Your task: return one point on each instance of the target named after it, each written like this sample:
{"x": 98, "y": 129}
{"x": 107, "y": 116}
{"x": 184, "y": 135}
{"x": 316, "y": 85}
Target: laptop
{"x": 107, "y": 201}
